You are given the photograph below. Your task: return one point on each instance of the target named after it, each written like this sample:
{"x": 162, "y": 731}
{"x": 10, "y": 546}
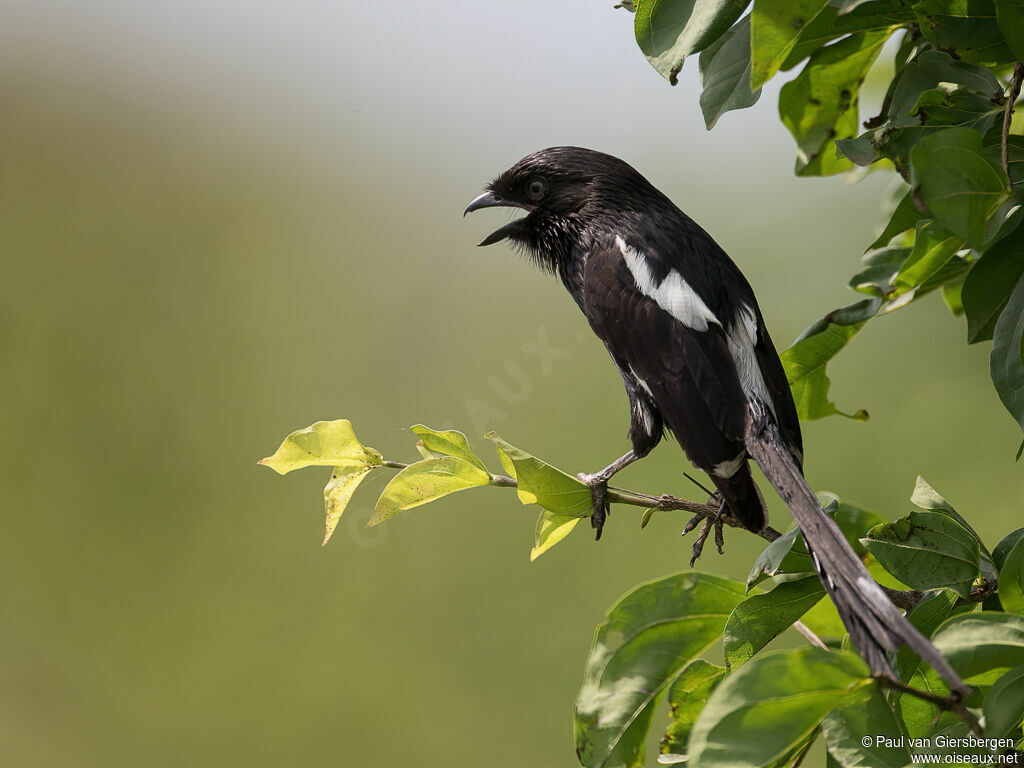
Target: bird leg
{"x": 598, "y": 485}
{"x": 706, "y": 524}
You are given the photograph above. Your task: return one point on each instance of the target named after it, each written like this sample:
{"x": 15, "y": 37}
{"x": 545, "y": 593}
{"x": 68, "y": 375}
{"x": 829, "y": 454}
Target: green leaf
{"x": 926, "y": 497}
{"x": 959, "y": 184}
{"x": 865, "y": 714}
{"x": 926, "y": 616}
{"x": 1006, "y": 362}
{"x": 1003, "y": 547}
{"x": 760, "y": 619}
{"x": 1010, "y": 17}
{"x": 906, "y": 215}
{"x": 426, "y": 481}
{"x": 686, "y": 698}
{"x": 926, "y": 550}
{"x": 725, "y": 74}
{"x": 774, "y": 29}
{"x": 932, "y": 68}
{"x": 647, "y": 639}
{"x": 967, "y": 26}
{"x": 933, "y": 248}
{"x": 874, "y": 16}
{"x": 820, "y": 105}
{"x": 922, "y": 718}
{"x": 1004, "y": 705}
{"x": 805, "y": 361}
{"x": 448, "y": 443}
{"x": 668, "y": 31}
{"x": 324, "y": 444}
{"x": 551, "y": 529}
{"x": 338, "y": 492}
{"x": 787, "y": 554}
{"x": 952, "y": 296}
{"x": 1011, "y": 580}
{"x": 853, "y": 520}
{"x": 880, "y": 267}
{"x": 979, "y": 642}
{"x": 991, "y": 280}
{"x": 769, "y": 706}
{"x": 542, "y": 484}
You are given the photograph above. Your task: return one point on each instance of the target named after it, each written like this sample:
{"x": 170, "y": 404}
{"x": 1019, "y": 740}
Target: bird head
{"x": 562, "y": 190}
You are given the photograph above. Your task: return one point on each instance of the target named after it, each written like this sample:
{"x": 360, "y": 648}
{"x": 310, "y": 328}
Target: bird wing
{"x": 680, "y": 354}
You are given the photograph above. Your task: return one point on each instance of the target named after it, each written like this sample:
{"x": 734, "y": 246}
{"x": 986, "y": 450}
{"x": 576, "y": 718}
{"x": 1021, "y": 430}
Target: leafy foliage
{"x": 955, "y": 225}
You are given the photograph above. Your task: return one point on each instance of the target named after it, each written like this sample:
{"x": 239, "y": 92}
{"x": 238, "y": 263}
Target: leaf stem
{"x": 1011, "y": 98}
{"x": 948, "y": 703}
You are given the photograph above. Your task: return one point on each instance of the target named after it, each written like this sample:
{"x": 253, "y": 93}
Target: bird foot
{"x": 706, "y": 525}
{"x": 598, "y": 485}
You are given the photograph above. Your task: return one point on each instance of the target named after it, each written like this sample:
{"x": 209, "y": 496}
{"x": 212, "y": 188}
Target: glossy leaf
{"x": 1004, "y": 705}
{"x": 668, "y": 31}
{"x": 820, "y": 104}
{"x": 1006, "y": 363}
{"x": 765, "y": 709}
{"x": 959, "y": 184}
{"x": 922, "y": 718}
{"x": 904, "y": 217}
{"x": 1011, "y": 580}
{"x": 1003, "y": 548}
{"x": 969, "y": 28}
{"x": 649, "y": 637}
{"x": 338, "y": 492}
{"x": 725, "y": 74}
{"x": 926, "y": 550}
{"x": 980, "y": 642}
{"x": 787, "y": 554}
{"x": 551, "y": 529}
{"x": 865, "y": 714}
{"x": 927, "y": 615}
{"x": 542, "y": 484}
{"x": 933, "y": 248}
{"x": 447, "y": 443}
{"x": 805, "y": 361}
{"x": 686, "y": 698}
{"x": 880, "y": 267}
{"x": 760, "y": 619}
{"x": 991, "y": 280}
{"x": 426, "y": 481}
{"x": 927, "y": 71}
{"x": 1010, "y": 17}
{"x": 774, "y": 30}
{"x": 926, "y": 497}
{"x": 323, "y": 444}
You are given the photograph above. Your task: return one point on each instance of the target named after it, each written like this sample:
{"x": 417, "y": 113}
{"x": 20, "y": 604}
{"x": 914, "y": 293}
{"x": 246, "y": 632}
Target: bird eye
{"x": 536, "y": 189}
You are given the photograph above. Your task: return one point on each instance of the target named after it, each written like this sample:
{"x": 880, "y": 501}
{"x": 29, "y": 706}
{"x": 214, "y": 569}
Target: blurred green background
{"x": 222, "y": 221}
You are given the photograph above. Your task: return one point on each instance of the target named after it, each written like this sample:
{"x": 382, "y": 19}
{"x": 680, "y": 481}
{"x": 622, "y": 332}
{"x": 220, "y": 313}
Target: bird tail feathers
{"x": 875, "y": 624}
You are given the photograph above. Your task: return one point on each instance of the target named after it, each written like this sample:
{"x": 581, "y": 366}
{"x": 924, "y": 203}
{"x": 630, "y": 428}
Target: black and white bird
{"x": 684, "y": 329}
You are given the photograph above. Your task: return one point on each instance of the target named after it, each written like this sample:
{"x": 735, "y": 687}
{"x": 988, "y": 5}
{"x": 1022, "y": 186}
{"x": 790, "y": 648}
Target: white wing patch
{"x": 673, "y": 294}
{"x": 729, "y": 468}
{"x": 742, "y": 338}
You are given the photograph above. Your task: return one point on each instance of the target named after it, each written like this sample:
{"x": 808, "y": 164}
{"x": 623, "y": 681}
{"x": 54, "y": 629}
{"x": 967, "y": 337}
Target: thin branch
{"x": 809, "y": 635}
{"x": 904, "y": 599}
{"x": 948, "y": 703}
{"x": 1011, "y": 98}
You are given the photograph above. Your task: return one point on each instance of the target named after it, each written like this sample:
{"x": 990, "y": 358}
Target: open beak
{"x": 490, "y": 200}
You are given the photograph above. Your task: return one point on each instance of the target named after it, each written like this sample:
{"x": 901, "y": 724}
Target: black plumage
{"x": 684, "y": 329}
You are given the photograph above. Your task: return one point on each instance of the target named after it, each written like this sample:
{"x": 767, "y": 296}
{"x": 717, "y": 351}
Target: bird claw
{"x": 598, "y": 486}
{"x": 706, "y": 525}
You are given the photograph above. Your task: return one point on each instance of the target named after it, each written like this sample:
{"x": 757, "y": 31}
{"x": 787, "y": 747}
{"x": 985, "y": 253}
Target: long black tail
{"x": 743, "y": 497}
{"x": 874, "y": 623}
